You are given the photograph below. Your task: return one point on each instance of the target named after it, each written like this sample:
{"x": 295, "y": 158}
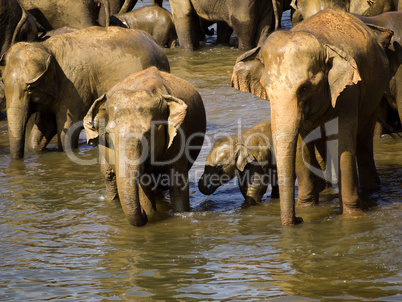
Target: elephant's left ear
{"x": 177, "y": 113}
{"x": 243, "y": 157}
{"x": 343, "y": 71}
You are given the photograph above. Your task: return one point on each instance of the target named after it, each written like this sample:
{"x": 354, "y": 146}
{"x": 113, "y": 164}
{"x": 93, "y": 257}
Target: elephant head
{"x": 30, "y": 84}
{"x": 225, "y": 159}
{"x": 133, "y": 124}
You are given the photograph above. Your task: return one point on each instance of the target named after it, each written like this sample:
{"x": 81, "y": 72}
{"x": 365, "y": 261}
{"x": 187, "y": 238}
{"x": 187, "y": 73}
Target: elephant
{"x": 60, "y": 13}
{"x": 249, "y": 156}
{"x": 154, "y": 19}
{"x": 61, "y": 77}
{"x": 393, "y": 21}
{"x": 252, "y": 20}
{"x": 150, "y": 128}
{"x": 328, "y": 71}
{"x": 302, "y": 9}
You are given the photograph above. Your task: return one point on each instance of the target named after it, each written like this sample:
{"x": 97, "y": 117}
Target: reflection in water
{"x": 62, "y": 240}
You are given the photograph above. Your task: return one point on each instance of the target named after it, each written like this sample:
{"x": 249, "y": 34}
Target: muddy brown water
{"x": 61, "y": 240}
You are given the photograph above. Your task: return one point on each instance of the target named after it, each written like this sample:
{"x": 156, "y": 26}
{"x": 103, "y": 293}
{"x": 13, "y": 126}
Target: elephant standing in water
{"x": 251, "y": 159}
{"x": 60, "y": 78}
{"x": 327, "y": 71}
{"x": 252, "y": 20}
{"x": 150, "y": 129}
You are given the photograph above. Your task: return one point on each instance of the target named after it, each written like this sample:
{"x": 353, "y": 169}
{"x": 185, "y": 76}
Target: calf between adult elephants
{"x": 252, "y": 20}
{"x": 153, "y": 125}
{"x": 60, "y": 78}
{"x": 329, "y": 70}
{"x": 154, "y": 19}
{"x": 250, "y": 157}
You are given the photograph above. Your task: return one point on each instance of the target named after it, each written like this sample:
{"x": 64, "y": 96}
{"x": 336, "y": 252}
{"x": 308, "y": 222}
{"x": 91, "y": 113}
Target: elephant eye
{"x": 304, "y": 90}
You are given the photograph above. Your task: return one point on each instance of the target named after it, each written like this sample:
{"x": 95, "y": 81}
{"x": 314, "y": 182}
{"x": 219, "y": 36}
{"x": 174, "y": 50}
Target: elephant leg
{"x": 274, "y": 183}
{"x": 346, "y": 158}
{"x": 308, "y": 182}
{"x": 368, "y": 176}
{"x": 398, "y": 79}
{"x": 186, "y": 23}
{"x": 69, "y": 133}
{"x": 179, "y": 188}
{"x": 43, "y": 130}
{"x": 253, "y": 185}
{"x": 224, "y": 32}
{"x": 245, "y": 32}
{"x": 382, "y": 115}
{"x": 109, "y": 177}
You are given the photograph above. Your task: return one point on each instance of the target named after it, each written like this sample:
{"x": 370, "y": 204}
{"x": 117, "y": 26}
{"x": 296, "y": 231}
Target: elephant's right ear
{"x": 91, "y": 120}
{"x": 342, "y": 71}
{"x": 247, "y": 73}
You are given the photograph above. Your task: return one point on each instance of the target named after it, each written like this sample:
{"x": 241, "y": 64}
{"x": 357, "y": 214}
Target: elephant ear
{"x": 177, "y": 114}
{"x": 243, "y": 157}
{"x": 247, "y": 73}
{"x": 343, "y": 71}
{"x": 92, "y": 119}
{"x": 46, "y": 81}
{"x": 383, "y": 35}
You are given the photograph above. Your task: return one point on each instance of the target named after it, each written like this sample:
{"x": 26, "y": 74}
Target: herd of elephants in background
{"x": 84, "y": 62}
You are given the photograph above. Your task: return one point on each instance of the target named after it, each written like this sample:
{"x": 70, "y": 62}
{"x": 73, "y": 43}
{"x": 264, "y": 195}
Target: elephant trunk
{"x": 128, "y": 188}
{"x": 128, "y": 173}
{"x": 17, "y": 118}
{"x": 205, "y": 185}
{"x": 285, "y": 139}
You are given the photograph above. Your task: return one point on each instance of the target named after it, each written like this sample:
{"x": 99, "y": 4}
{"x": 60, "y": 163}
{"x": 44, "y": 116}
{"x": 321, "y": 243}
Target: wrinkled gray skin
{"x": 251, "y": 159}
{"x": 252, "y": 20}
{"x": 393, "y": 21}
{"x": 60, "y": 13}
{"x": 306, "y": 8}
{"x": 61, "y": 77}
{"x": 315, "y": 74}
{"x": 155, "y": 20}
{"x": 115, "y": 7}
{"x": 143, "y": 127}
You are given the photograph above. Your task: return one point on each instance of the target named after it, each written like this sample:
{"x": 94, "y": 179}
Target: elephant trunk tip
{"x": 140, "y": 221}
{"x": 205, "y": 186}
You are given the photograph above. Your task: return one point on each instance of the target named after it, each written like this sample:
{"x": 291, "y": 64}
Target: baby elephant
{"x": 155, "y": 20}
{"x": 149, "y": 128}
{"x": 249, "y": 156}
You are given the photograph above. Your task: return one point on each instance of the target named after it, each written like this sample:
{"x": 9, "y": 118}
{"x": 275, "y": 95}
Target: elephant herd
{"x": 333, "y": 71}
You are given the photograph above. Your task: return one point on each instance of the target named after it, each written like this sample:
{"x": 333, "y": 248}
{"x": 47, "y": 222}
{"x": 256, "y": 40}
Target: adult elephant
{"x": 61, "y": 13}
{"x": 252, "y": 20}
{"x": 61, "y": 77}
{"x": 327, "y": 71}
{"x": 153, "y": 125}
{"x": 306, "y": 8}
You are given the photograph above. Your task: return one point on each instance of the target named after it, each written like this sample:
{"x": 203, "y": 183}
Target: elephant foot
{"x": 352, "y": 212}
{"x": 302, "y": 204}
